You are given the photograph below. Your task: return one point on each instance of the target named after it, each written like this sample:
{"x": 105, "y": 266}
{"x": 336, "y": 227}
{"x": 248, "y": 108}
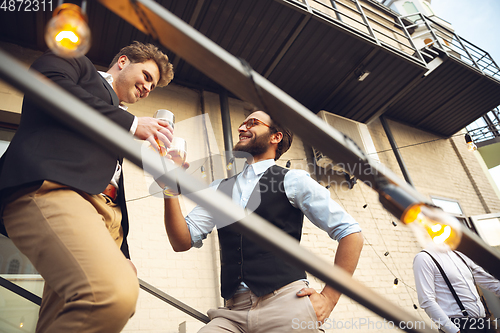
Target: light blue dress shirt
{"x": 302, "y": 191}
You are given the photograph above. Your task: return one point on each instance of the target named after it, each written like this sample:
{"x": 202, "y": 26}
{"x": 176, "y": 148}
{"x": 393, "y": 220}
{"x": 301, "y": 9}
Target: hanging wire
{"x": 416, "y": 144}
{"x": 376, "y": 253}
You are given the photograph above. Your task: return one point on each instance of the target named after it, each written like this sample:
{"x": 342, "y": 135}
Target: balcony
{"x": 317, "y": 51}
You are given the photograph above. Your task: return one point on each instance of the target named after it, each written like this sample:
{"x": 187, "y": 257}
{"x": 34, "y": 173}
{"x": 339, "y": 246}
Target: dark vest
{"x": 244, "y": 260}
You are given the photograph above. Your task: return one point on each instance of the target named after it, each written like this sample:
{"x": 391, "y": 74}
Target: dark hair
{"x": 139, "y": 52}
{"x": 285, "y": 142}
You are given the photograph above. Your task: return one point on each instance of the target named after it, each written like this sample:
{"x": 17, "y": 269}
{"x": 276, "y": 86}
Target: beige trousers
{"x": 281, "y": 311}
{"x": 72, "y": 239}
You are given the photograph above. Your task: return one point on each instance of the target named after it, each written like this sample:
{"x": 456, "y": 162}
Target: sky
{"x": 477, "y": 22}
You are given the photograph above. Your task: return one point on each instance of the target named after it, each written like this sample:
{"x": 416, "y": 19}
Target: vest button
{"x": 239, "y": 277}
{"x": 239, "y": 262}
{"x": 239, "y": 249}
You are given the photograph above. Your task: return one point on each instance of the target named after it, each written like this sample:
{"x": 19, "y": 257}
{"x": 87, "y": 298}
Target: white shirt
{"x": 118, "y": 171}
{"x": 302, "y": 192}
{"x": 434, "y": 295}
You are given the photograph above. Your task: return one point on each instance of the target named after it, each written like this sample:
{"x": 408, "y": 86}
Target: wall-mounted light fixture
{"x": 470, "y": 144}
{"x": 362, "y": 74}
{"x": 67, "y": 33}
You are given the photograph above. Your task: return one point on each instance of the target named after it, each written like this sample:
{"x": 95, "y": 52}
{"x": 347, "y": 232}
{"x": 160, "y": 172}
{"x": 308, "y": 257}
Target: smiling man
{"x": 62, "y": 193}
{"x": 263, "y": 293}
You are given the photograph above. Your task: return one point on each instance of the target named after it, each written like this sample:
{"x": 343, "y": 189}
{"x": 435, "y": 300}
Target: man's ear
{"x": 122, "y": 61}
{"x": 276, "y": 137}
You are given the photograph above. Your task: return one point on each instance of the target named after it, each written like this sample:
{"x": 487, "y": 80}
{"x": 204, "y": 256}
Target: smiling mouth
{"x": 245, "y": 138}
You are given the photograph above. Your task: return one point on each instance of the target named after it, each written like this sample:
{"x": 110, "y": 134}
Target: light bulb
{"x": 203, "y": 173}
{"x": 396, "y": 281}
{"x": 471, "y": 146}
{"x": 67, "y": 33}
{"x": 433, "y": 227}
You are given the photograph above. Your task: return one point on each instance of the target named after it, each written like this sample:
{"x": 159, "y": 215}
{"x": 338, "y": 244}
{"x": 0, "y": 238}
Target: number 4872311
{"x": 26, "y": 5}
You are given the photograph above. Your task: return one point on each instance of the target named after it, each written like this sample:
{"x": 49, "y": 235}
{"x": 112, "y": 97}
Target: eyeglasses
{"x": 253, "y": 122}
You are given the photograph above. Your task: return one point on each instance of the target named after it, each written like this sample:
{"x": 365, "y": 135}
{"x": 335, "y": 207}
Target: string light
{"x": 230, "y": 164}
{"x": 396, "y": 281}
{"x": 470, "y": 144}
{"x": 67, "y": 33}
{"x": 203, "y": 173}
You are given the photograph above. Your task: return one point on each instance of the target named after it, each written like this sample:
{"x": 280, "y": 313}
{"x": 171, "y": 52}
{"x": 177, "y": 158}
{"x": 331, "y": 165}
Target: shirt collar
{"x": 109, "y": 79}
{"x": 260, "y": 167}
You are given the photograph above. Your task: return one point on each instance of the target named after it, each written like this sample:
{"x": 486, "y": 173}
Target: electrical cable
{"x": 376, "y": 253}
{"x": 415, "y": 144}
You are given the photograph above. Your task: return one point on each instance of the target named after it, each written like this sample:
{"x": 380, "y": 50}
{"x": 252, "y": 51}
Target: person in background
{"x": 463, "y": 313}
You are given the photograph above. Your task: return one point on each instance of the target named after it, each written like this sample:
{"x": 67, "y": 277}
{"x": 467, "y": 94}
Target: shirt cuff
{"x": 133, "y": 128}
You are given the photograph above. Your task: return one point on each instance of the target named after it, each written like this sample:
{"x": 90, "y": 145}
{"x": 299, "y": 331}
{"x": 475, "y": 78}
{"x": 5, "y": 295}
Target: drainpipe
{"x": 395, "y": 149}
{"x": 227, "y": 132}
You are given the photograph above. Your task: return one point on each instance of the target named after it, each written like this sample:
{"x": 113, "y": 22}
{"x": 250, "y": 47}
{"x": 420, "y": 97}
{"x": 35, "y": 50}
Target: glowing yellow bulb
{"x": 471, "y": 146}
{"x": 433, "y": 225}
{"x": 68, "y": 34}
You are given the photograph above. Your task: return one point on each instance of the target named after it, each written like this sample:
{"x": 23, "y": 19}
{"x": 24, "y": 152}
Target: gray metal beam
{"x": 173, "y": 301}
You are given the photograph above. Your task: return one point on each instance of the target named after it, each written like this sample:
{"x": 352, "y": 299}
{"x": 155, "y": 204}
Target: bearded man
{"x": 262, "y": 292}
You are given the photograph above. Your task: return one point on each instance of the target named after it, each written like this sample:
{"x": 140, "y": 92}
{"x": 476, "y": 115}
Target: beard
{"x": 256, "y": 146}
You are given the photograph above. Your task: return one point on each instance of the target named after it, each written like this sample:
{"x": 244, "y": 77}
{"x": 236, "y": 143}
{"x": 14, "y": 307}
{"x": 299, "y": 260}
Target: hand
{"x": 322, "y": 305}
{"x": 149, "y": 128}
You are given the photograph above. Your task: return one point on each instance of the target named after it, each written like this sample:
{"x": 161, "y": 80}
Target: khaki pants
{"x": 89, "y": 285}
{"x": 281, "y": 311}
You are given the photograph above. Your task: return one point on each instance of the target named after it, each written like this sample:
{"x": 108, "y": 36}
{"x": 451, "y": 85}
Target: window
{"x": 410, "y": 8}
{"x": 14, "y": 266}
{"x": 488, "y": 228}
{"x": 453, "y": 207}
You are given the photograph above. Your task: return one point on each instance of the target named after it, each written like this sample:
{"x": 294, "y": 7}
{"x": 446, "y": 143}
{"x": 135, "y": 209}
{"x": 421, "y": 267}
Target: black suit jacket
{"x": 43, "y": 148}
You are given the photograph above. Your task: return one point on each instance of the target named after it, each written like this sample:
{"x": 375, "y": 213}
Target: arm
{"x": 76, "y": 77}
{"x": 347, "y": 257}
{"x": 482, "y": 278}
{"x": 424, "y": 271}
{"x": 184, "y": 233}
{"x": 176, "y": 227}
{"x": 315, "y": 202}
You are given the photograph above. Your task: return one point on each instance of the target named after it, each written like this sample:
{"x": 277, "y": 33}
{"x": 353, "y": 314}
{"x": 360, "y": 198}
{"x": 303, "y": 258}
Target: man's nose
{"x": 147, "y": 87}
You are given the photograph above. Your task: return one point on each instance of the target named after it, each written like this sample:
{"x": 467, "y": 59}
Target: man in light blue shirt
{"x": 256, "y": 284}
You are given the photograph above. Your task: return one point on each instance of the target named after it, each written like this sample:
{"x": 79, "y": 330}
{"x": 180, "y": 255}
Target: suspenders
{"x": 460, "y": 305}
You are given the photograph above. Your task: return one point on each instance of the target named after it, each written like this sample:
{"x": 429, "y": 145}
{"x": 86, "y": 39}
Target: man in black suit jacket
{"x": 63, "y": 197}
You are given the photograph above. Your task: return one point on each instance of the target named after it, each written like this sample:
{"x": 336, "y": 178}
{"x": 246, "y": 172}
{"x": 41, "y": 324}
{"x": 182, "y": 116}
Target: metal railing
{"x": 448, "y": 41}
{"x": 372, "y": 20}
{"x": 245, "y": 83}
{"x": 485, "y": 128}
{"x": 28, "y": 295}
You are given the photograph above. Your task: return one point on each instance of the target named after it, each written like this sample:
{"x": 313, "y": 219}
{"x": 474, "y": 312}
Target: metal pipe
{"x": 173, "y": 301}
{"x": 227, "y": 132}
{"x": 396, "y": 151}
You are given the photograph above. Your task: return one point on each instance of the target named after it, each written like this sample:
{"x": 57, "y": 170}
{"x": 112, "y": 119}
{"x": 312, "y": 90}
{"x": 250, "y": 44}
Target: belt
{"x": 110, "y": 191}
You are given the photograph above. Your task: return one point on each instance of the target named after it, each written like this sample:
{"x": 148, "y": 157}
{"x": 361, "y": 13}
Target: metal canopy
{"x": 314, "y": 58}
